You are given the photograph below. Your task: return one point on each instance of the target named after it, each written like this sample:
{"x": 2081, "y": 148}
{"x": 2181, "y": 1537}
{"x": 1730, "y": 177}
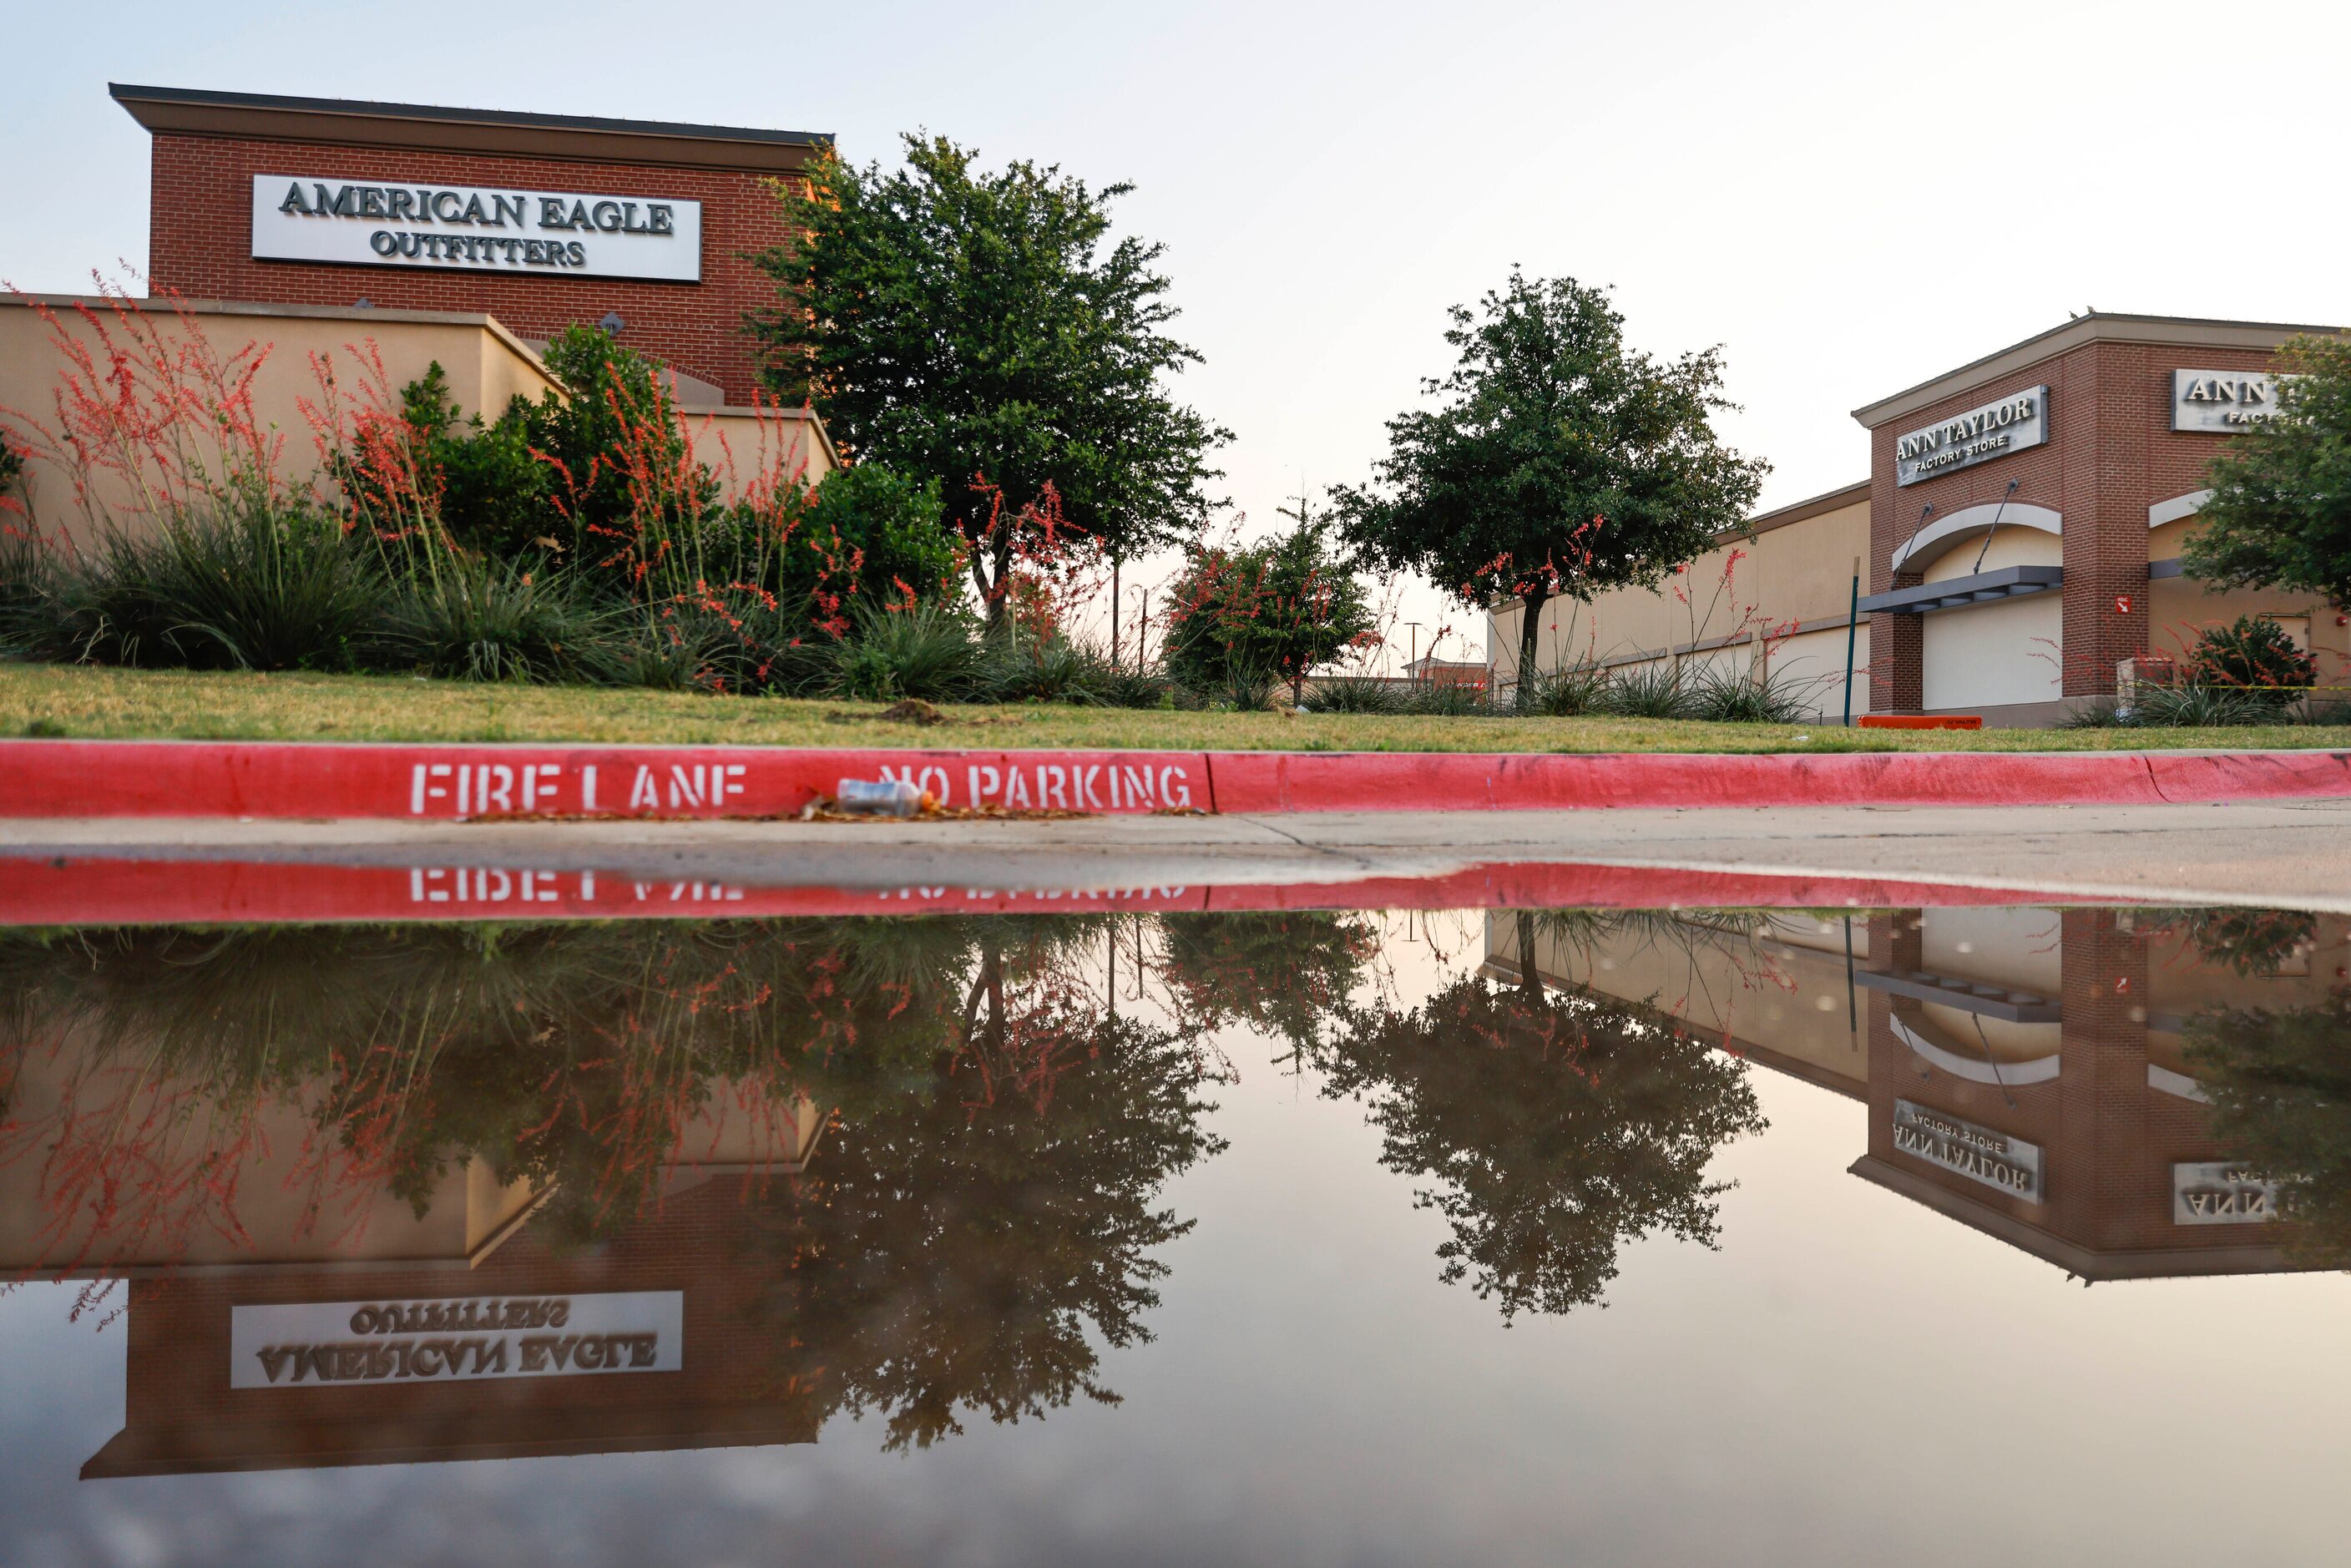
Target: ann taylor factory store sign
{"x": 1978, "y": 435}
{"x": 301, "y": 219}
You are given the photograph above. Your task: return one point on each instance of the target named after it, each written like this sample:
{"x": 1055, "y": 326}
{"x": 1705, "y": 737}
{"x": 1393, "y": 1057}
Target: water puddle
{"x": 406, "y": 1214}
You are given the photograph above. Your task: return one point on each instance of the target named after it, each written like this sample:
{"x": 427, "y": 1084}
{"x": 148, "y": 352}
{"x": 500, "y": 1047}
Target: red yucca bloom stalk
{"x": 1051, "y": 565}
{"x": 148, "y": 415}
{"x": 382, "y": 459}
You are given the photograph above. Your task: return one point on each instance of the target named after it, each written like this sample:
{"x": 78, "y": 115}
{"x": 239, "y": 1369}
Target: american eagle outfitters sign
{"x": 361, "y": 223}
{"x": 397, "y": 1340}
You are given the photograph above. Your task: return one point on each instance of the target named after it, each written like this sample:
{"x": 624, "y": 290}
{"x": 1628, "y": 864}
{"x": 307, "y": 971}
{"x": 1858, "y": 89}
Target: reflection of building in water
{"x": 2023, "y": 1067}
{"x": 338, "y": 1322}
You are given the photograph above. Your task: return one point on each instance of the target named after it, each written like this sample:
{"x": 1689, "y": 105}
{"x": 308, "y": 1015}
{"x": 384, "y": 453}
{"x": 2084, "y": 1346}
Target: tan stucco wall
{"x": 487, "y": 367}
{"x": 1799, "y": 572}
{"x": 1779, "y": 988}
{"x": 484, "y": 365}
{"x": 740, "y": 443}
{"x": 1786, "y": 577}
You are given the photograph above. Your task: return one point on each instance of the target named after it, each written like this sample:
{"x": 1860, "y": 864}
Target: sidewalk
{"x": 2294, "y": 855}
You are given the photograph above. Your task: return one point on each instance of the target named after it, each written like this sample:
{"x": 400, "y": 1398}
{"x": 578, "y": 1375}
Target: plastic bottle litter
{"x": 879, "y": 797}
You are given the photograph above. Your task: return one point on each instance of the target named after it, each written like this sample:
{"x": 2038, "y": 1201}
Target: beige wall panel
{"x": 2008, "y": 546}
{"x": 1801, "y": 571}
{"x": 1812, "y": 663}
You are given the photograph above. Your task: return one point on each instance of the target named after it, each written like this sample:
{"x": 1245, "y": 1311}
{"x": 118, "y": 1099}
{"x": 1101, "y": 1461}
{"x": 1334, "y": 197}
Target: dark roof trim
{"x": 429, "y": 127}
{"x": 1966, "y": 592}
{"x": 2098, "y": 326}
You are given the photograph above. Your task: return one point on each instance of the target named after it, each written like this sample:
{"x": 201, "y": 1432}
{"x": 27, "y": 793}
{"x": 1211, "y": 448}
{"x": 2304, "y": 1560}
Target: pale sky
{"x": 1848, "y": 197}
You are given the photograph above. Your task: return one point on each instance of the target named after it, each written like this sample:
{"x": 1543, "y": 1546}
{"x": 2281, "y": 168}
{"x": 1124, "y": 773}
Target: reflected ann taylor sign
{"x": 303, "y": 1343}
{"x": 1978, "y": 435}
{"x": 298, "y": 218}
{"x": 1980, "y": 1154}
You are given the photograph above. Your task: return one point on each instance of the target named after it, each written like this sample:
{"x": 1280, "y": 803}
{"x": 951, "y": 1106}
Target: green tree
{"x": 2280, "y": 1083}
{"x": 1279, "y": 607}
{"x": 1559, "y": 463}
{"x": 2280, "y": 516}
{"x": 984, "y": 330}
{"x": 1553, "y": 1128}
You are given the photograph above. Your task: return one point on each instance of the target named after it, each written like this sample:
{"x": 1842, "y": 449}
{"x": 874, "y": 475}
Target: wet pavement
{"x": 1073, "y": 1225}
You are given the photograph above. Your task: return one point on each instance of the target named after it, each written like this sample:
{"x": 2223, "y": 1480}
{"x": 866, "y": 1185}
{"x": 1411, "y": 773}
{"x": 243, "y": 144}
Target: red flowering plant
{"x": 1240, "y": 615}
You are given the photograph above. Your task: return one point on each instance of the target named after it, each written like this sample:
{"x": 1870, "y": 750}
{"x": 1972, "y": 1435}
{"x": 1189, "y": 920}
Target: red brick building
{"x": 541, "y": 221}
{"x": 2027, "y": 510}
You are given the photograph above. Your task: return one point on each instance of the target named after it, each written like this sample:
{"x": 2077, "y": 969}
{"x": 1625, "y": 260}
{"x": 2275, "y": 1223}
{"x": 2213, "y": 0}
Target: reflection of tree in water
{"x": 953, "y": 1249}
{"x": 573, "y": 1057}
{"x": 1554, "y": 1127}
{"x": 1285, "y": 973}
{"x": 2254, "y": 943}
{"x": 982, "y": 1204}
{"x": 2280, "y": 1084}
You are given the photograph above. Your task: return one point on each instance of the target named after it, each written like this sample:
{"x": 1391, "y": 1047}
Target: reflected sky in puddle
{"x": 1329, "y": 1236}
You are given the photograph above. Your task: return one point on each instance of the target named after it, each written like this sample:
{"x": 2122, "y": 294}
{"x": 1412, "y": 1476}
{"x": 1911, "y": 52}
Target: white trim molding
{"x": 2177, "y": 508}
{"x": 2164, "y": 1080}
{"x": 2039, "y": 1069}
{"x": 1931, "y": 539}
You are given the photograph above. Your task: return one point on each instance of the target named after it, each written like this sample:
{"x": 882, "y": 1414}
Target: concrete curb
{"x": 101, "y": 891}
{"x": 287, "y": 780}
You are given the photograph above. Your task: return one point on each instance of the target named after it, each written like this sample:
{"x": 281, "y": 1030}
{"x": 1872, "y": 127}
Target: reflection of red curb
{"x": 61, "y": 891}
{"x": 426, "y": 782}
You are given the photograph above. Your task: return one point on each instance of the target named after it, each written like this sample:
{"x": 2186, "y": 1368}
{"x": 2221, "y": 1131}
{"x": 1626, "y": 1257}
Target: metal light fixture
{"x": 612, "y": 322}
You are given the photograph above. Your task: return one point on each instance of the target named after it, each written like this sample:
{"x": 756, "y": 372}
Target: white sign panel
{"x": 1980, "y": 1154}
{"x": 1995, "y": 430}
{"x": 299, "y": 217}
{"x": 302, "y": 1344}
{"x": 2221, "y": 401}
{"x": 2217, "y": 1192}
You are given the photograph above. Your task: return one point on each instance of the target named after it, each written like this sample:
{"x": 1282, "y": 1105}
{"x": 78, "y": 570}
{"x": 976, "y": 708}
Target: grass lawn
{"x": 110, "y": 704}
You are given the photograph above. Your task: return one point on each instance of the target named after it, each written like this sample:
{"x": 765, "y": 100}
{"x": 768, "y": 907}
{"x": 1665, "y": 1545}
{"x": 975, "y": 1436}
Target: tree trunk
{"x": 1529, "y": 978}
{"x": 1530, "y": 634}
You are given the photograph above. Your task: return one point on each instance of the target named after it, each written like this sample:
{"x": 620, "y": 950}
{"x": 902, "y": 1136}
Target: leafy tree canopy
{"x": 1558, "y": 462}
{"x": 983, "y": 329}
{"x": 2280, "y": 516}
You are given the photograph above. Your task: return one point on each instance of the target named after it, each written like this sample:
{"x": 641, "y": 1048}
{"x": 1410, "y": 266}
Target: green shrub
{"x": 1053, "y": 669}
{"x": 1447, "y": 700}
{"x": 484, "y": 622}
{"x": 1660, "y": 690}
{"x": 1350, "y": 693}
{"x": 1731, "y": 697}
{"x": 2254, "y": 657}
{"x": 1122, "y": 687}
{"x": 874, "y": 526}
{"x": 257, "y": 586}
{"x": 2199, "y": 708}
{"x": 926, "y": 652}
{"x": 1564, "y": 693}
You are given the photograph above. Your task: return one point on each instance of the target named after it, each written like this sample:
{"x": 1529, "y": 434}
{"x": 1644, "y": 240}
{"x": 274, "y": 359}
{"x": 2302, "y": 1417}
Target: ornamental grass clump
{"x": 1351, "y": 692}
{"x": 1659, "y": 690}
{"x": 491, "y": 622}
{"x": 1727, "y": 696}
{"x": 925, "y": 651}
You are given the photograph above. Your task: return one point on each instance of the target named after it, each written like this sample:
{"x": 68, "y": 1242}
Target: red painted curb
{"x": 309, "y": 780}
{"x": 107, "y": 892}
{"x": 304, "y": 779}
